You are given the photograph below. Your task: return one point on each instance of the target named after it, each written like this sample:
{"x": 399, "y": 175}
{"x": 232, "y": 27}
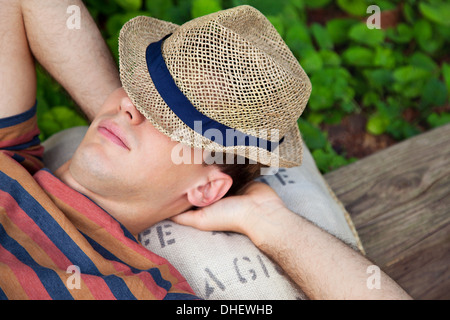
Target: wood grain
{"x": 399, "y": 201}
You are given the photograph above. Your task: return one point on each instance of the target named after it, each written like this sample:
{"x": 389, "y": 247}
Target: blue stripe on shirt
{"x": 154, "y": 272}
{"x": 180, "y": 296}
{"x": 34, "y": 142}
{"x": 3, "y": 295}
{"x": 49, "y": 278}
{"x": 19, "y": 118}
{"x": 59, "y": 237}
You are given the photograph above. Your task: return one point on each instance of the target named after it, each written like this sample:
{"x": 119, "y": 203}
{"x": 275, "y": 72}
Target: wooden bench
{"x": 399, "y": 200}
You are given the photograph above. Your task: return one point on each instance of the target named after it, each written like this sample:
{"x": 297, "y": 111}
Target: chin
{"x": 90, "y": 162}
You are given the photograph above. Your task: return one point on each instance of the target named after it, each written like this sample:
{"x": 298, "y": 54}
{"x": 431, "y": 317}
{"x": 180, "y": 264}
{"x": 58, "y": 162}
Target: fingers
{"x": 206, "y": 219}
{"x": 192, "y": 218}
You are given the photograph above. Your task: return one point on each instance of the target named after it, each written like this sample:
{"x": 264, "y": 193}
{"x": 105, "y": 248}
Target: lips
{"x": 113, "y": 133}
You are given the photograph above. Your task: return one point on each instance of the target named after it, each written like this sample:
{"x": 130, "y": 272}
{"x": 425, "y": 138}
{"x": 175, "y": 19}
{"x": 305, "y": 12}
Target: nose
{"x": 127, "y": 109}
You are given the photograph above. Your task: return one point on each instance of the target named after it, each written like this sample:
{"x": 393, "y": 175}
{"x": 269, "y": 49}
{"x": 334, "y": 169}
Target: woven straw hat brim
{"x": 134, "y": 38}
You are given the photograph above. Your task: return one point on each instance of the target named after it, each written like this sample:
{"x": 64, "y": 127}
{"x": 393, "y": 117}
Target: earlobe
{"x": 210, "y": 192}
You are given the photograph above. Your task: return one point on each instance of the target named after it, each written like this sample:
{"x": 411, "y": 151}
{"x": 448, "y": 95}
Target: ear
{"x": 214, "y": 188}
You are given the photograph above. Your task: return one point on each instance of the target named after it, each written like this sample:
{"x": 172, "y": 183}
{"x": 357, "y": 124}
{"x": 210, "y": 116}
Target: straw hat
{"x": 222, "y": 82}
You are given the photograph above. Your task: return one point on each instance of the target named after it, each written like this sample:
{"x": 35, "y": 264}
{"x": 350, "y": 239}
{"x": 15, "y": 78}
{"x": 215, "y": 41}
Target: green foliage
{"x": 379, "y": 73}
{"x": 59, "y": 118}
{"x": 130, "y": 5}
{"x": 353, "y": 7}
{"x": 438, "y": 12}
{"x": 203, "y": 7}
{"x": 55, "y": 111}
{"x": 327, "y": 159}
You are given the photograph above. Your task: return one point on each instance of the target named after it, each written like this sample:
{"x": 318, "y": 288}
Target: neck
{"x": 135, "y": 214}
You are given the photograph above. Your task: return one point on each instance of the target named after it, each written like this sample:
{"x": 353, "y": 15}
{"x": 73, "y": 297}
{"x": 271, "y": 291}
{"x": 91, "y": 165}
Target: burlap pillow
{"x": 221, "y": 265}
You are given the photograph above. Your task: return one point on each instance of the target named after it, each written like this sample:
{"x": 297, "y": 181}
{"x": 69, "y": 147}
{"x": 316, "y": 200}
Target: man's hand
{"x": 241, "y": 213}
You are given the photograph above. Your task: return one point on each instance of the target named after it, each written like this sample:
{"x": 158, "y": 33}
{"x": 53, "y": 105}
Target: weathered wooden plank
{"x": 399, "y": 200}
{"x": 423, "y": 269}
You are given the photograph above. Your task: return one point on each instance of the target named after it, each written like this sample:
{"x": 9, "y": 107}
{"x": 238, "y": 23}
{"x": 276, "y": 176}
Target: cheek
{"x": 163, "y": 174}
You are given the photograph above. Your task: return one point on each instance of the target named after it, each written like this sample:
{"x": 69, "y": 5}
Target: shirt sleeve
{"x": 19, "y": 139}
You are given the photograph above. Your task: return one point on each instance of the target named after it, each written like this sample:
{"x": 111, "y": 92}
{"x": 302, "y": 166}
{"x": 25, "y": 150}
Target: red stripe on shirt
{"x": 25, "y": 275}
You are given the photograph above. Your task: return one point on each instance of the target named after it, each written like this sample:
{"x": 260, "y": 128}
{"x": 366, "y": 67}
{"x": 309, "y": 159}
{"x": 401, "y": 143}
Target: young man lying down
{"x": 185, "y": 88}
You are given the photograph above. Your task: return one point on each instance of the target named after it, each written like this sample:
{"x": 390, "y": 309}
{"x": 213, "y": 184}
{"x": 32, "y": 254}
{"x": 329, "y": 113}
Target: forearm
{"x": 323, "y": 266}
{"x": 77, "y": 58}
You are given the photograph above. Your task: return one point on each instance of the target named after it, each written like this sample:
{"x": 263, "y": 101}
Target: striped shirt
{"x": 55, "y": 243}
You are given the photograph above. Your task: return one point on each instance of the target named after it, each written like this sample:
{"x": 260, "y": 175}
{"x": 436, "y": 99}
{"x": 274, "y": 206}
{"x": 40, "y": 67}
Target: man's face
{"x": 124, "y": 159}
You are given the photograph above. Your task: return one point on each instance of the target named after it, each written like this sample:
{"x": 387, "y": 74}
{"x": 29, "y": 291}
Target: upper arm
{"x": 17, "y": 69}
{"x": 77, "y": 58}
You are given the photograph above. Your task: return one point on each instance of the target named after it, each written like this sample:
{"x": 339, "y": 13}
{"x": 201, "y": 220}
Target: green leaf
{"x": 442, "y": 31}
{"x": 116, "y": 21}
{"x": 312, "y": 135}
{"x": 379, "y": 78}
{"x": 400, "y": 129}
{"x": 130, "y": 5}
{"x": 321, "y": 98}
{"x": 408, "y": 90}
{"x": 349, "y": 106}
{"x": 358, "y": 56}
{"x": 384, "y": 57}
{"x": 327, "y": 159}
{"x": 434, "y": 93}
{"x": 277, "y": 22}
{"x": 322, "y": 37}
{"x": 330, "y": 86}
{"x": 402, "y": 33}
{"x": 317, "y": 3}
{"x": 423, "y": 61}
{"x": 338, "y": 29}
{"x": 59, "y": 118}
{"x": 353, "y": 7}
{"x": 410, "y": 73}
{"x": 204, "y": 7}
{"x": 297, "y": 4}
{"x": 105, "y": 7}
{"x": 392, "y": 108}
{"x": 446, "y": 75}
{"x": 159, "y": 8}
{"x": 436, "y": 120}
{"x": 422, "y": 30}
{"x": 315, "y": 118}
{"x": 311, "y": 62}
{"x": 330, "y": 58}
{"x": 322, "y": 160}
{"x": 180, "y": 13}
{"x": 386, "y": 4}
{"x": 425, "y": 37}
{"x": 363, "y": 35}
{"x": 409, "y": 13}
{"x": 342, "y": 91}
{"x": 370, "y": 98}
{"x": 438, "y": 12}
{"x": 377, "y": 123}
{"x": 298, "y": 39}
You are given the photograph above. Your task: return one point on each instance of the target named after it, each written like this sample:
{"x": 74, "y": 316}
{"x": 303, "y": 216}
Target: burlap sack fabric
{"x": 233, "y": 67}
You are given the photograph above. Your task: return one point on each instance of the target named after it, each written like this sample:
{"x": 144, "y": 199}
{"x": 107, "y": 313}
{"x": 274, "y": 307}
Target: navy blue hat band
{"x": 183, "y": 108}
